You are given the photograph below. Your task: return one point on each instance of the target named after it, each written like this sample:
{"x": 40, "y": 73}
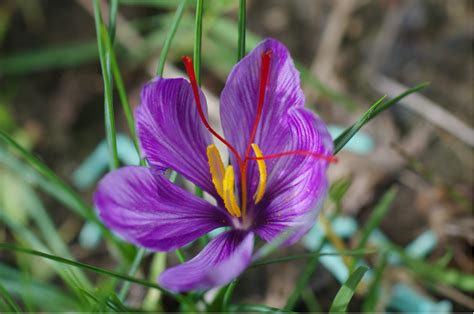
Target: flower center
{"x": 224, "y": 178}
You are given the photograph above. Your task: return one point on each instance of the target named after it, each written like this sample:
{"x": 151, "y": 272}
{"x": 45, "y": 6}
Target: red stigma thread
{"x": 331, "y": 159}
{"x": 188, "y": 63}
{"x": 264, "y": 72}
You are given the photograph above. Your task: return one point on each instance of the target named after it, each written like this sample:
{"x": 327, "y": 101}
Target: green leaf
{"x": 76, "y": 202}
{"x": 67, "y": 56}
{"x": 170, "y": 36}
{"x": 11, "y": 306}
{"x": 127, "y": 109}
{"x": 133, "y": 269}
{"x": 357, "y": 252}
{"x": 373, "y": 295}
{"x": 436, "y": 273}
{"x": 378, "y": 107}
{"x": 256, "y": 308}
{"x": 345, "y": 293}
{"x": 376, "y": 216}
{"x": 303, "y": 280}
{"x": 242, "y": 27}
{"x": 104, "y": 57}
{"x": 37, "y": 291}
{"x": 198, "y": 40}
{"x": 9, "y": 247}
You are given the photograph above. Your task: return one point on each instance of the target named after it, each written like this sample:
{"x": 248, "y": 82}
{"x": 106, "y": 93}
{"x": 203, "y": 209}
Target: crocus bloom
{"x": 276, "y": 178}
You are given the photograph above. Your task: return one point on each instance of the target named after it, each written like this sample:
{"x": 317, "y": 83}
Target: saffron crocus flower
{"x": 275, "y": 180}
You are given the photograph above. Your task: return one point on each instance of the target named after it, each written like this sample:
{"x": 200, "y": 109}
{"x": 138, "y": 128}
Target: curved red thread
{"x": 188, "y": 63}
{"x": 331, "y": 159}
{"x": 264, "y": 72}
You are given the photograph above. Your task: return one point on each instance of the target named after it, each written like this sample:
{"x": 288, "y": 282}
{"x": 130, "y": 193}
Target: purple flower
{"x": 279, "y": 153}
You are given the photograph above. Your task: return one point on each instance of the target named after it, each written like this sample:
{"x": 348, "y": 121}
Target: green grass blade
{"x": 373, "y": 295}
{"x": 256, "y": 308}
{"x": 345, "y": 293}
{"x": 41, "y": 59}
{"x": 302, "y": 282}
{"x": 76, "y": 202}
{"x": 242, "y": 27}
{"x": 228, "y": 294}
{"x": 57, "y": 299}
{"x": 376, "y": 216}
{"x": 9, "y": 247}
{"x": 11, "y": 306}
{"x": 169, "y": 37}
{"x": 378, "y": 107}
{"x": 113, "y": 9}
{"x": 270, "y": 261}
{"x": 198, "y": 40}
{"x": 310, "y": 300}
{"x": 72, "y": 279}
{"x": 39, "y": 174}
{"x": 437, "y": 274}
{"x": 133, "y": 269}
{"x": 127, "y": 109}
{"x": 108, "y": 96}
{"x": 342, "y": 139}
{"x": 164, "y": 4}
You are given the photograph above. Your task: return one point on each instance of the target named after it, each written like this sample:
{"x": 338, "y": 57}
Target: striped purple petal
{"x": 221, "y": 261}
{"x": 146, "y": 209}
{"x": 170, "y": 131}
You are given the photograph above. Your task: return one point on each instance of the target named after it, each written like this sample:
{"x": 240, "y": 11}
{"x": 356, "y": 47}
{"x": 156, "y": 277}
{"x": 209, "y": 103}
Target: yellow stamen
{"x": 263, "y": 174}
{"x": 217, "y": 168}
{"x": 230, "y": 200}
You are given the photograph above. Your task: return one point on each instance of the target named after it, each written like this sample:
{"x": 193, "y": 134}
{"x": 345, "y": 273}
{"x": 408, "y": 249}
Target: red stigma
{"x": 330, "y": 158}
{"x": 188, "y": 63}
{"x": 264, "y": 71}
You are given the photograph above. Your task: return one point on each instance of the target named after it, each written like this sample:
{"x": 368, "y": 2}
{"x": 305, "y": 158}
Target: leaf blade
{"x": 345, "y": 293}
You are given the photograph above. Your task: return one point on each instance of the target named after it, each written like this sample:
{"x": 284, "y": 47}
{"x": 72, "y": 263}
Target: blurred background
{"x": 350, "y": 53}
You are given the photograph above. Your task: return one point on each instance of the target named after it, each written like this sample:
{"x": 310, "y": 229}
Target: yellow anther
{"x": 262, "y": 169}
{"x": 217, "y": 168}
{"x": 230, "y": 201}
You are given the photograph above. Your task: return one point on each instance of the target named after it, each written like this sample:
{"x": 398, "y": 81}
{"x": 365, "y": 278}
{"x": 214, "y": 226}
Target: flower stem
{"x": 242, "y": 25}
{"x": 104, "y": 56}
{"x": 169, "y": 37}
{"x": 180, "y": 255}
{"x": 198, "y": 41}
{"x": 131, "y": 272}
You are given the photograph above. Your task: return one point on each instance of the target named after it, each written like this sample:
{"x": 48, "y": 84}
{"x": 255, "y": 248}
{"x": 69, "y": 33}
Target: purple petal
{"x": 221, "y": 261}
{"x": 297, "y": 185}
{"x": 239, "y": 102}
{"x": 170, "y": 131}
{"x": 146, "y": 209}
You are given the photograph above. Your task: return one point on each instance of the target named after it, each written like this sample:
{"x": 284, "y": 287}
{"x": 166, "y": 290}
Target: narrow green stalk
{"x": 169, "y": 37}
{"x": 127, "y": 109}
{"x": 133, "y": 269}
{"x": 75, "y": 201}
{"x": 180, "y": 255}
{"x": 302, "y": 282}
{"x": 345, "y": 293}
{"x": 12, "y": 306}
{"x": 228, "y": 295}
{"x": 9, "y": 247}
{"x": 108, "y": 93}
{"x": 197, "y": 58}
{"x": 113, "y": 8}
{"x": 54, "y": 185}
{"x": 242, "y": 25}
{"x": 198, "y": 40}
